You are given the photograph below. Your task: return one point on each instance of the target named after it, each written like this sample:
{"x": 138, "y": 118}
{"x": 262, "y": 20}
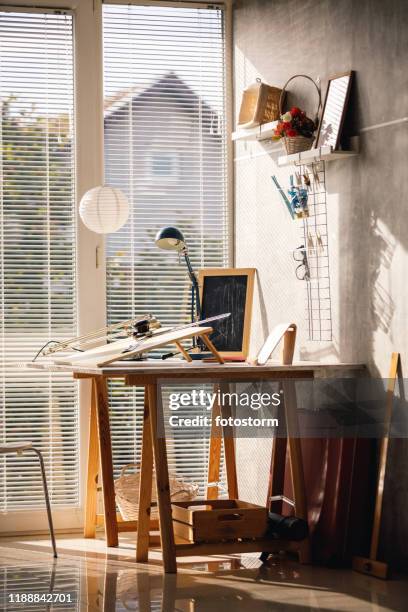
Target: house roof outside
{"x": 170, "y": 83}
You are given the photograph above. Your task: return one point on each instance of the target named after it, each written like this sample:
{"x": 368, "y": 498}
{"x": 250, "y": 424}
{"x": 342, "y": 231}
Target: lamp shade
{"x": 170, "y": 239}
{"x": 104, "y": 209}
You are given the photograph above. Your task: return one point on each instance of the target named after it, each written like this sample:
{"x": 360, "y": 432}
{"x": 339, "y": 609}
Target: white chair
{"x": 20, "y": 448}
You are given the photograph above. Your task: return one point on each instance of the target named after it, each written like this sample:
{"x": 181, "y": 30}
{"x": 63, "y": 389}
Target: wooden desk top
{"x": 177, "y": 368}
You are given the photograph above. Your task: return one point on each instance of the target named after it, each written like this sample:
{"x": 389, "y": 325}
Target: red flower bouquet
{"x": 294, "y": 123}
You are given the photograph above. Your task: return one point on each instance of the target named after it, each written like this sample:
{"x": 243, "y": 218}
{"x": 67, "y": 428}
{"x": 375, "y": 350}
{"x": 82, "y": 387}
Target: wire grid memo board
{"x": 314, "y": 236}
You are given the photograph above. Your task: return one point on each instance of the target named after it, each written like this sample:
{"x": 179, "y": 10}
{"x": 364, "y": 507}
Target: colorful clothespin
{"x": 319, "y": 241}
{"x": 310, "y": 243}
{"x": 298, "y": 200}
{"x": 315, "y": 174}
{"x": 306, "y": 179}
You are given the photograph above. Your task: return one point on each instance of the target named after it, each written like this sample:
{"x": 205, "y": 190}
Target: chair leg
{"x": 47, "y": 500}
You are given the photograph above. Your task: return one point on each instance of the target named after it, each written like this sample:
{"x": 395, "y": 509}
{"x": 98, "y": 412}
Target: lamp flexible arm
{"x": 194, "y": 282}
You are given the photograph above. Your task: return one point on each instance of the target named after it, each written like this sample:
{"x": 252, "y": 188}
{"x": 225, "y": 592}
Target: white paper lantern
{"x": 104, "y": 209}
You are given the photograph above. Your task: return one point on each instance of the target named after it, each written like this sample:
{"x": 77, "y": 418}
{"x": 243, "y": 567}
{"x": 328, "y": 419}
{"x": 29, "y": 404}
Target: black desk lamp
{"x": 171, "y": 239}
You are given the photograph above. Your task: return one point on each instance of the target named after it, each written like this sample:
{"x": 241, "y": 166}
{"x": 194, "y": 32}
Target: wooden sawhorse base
{"x": 154, "y": 451}
{"x": 100, "y": 461}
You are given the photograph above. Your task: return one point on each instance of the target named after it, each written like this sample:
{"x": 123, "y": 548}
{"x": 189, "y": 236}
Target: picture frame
{"x": 334, "y": 110}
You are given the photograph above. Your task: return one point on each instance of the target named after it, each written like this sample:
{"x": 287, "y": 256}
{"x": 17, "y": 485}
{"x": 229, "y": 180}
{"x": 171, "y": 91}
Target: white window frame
{"x": 89, "y": 153}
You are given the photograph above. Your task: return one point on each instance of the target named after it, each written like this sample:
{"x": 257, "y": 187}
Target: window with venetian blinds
{"x": 37, "y": 252}
{"x": 165, "y": 147}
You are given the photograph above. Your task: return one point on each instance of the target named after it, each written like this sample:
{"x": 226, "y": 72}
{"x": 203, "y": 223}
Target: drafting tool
{"x": 131, "y": 327}
{"x": 121, "y": 349}
{"x": 134, "y": 345}
{"x": 109, "y": 353}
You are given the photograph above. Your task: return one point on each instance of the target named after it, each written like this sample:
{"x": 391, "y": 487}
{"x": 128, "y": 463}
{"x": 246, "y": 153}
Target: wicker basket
{"x": 260, "y": 104}
{"x": 127, "y": 492}
{"x": 297, "y": 144}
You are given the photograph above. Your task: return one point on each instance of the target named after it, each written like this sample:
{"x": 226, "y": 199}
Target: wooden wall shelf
{"x": 311, "y": 156}
{"x": 260, "y": 132}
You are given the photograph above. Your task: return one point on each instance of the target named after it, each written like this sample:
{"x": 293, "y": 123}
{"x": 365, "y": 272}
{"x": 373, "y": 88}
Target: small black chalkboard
{"x": 225, "y": 290}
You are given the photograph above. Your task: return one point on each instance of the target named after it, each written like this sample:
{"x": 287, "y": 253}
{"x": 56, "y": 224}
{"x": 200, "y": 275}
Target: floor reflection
{"x": 88, "y": 580}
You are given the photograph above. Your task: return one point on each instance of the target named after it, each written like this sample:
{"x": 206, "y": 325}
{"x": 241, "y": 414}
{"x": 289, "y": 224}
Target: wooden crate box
{"x": 224, "y": 519}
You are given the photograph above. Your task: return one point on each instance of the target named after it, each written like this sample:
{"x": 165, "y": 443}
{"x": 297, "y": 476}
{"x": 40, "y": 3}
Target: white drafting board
{"x": 104, "y": 355}
{"x": 98, "y": 352}
{"x": 272, "y": 342}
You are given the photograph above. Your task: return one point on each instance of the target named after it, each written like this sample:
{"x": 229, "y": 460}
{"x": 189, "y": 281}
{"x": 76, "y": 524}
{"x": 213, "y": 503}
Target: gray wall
{"x": 367, "y": 195}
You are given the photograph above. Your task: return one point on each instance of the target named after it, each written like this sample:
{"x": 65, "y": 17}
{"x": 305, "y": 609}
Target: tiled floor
{"x": 95, "y": 578}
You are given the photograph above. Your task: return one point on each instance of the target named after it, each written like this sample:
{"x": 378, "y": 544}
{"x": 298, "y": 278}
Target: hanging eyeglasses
{"x": 302, "y": 271}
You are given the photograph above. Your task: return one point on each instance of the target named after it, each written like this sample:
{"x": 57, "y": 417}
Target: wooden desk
{"x": 149, "y": 375}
